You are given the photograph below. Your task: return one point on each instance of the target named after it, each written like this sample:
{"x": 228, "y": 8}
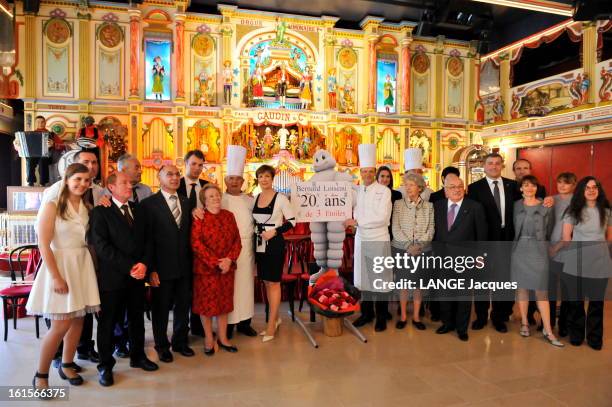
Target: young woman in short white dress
{"x": 65, "y": 288}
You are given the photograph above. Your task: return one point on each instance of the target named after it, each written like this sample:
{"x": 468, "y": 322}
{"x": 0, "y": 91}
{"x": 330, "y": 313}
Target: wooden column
{"x": 405, "y": 75}
{"x": 589, "y": 56}
{"x": 439, "y": 78}
{"x": 85, "y": 47}
{"x": 31, "y": 56}
{"x": 504, "y": 83}
{"x": 134, "y": 53}
{"x": 329, "y": 42}
{"x": 473, "y": 82}
{"x": 180, "y": 56}
{"x": 372, "y": 73}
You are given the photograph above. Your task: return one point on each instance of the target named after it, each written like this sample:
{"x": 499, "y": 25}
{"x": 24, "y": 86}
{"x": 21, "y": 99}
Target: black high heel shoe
{"x": 209, "y": 352}
{"x": 41, "y": 376}
{"x": 75, "y": 381}
{"x": 231, "y": 348}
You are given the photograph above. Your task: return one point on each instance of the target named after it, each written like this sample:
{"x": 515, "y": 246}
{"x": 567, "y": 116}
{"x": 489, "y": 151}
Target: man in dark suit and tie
{"x": 496, "y": 194}
{"x": 168, "y": 251}
{"x": 190, "y": 188}
{"x": 129, "y": 165}
{"x": 117, "y": 236}
{"x": 191, "y": 184}
{"x": 440, "y": 194}
{"x": 457, "y": 219}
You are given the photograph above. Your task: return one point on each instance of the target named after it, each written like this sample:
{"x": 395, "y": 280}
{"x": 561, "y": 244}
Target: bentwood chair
{"x": 16, "y": 295}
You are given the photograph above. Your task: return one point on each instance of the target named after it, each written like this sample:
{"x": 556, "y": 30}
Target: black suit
{"x": 119, "y": 246}
{"x": 481, "y": 192}
{"x": 182, "y": 190}
{"x": 195, "y": 323}
{"x": 168, "y": 251}
{"x": 437, "y": 196}
{"x": 469, "y": 226}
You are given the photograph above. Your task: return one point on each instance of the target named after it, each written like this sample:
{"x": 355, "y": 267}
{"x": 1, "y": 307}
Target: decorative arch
{"x": 203, "y": 135}
{"x": 420, "y": 139}
{"x": 255, "y": 37}
{"x": 157, "y": 16}
{"x": 388, "y": 146}
{"x": 346, "y": 142}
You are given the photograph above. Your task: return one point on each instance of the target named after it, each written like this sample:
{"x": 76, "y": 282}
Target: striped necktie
{"x": 176, "y": 210}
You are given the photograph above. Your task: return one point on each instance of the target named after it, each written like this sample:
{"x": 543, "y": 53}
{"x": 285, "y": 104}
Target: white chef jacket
{"x": 244, "y": 302}
{"x": 373, "y": 214}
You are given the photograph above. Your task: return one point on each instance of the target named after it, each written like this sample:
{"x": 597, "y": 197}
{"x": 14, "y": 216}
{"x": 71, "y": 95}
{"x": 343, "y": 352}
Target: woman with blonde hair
{"x": 413, "y": 230}
{"x": 65, "y": 289}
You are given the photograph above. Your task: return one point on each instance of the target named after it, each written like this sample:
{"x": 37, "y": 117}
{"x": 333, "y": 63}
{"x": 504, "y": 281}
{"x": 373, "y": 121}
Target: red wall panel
{"x": 590, "y": 158}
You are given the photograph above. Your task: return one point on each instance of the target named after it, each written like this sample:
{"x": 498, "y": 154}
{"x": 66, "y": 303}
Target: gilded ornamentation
{"x": 57, "y": 30}
{"x": 455, "y": 66}
{"x": 347, "y": 58}
{"x": 203, "y": 45}
{"x": 420, "y": 62}
{"x": 110, "y": 34}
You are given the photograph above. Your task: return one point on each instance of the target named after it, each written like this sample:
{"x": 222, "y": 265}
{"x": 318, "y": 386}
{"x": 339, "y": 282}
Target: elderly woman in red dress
{"x": 216, "y": 245}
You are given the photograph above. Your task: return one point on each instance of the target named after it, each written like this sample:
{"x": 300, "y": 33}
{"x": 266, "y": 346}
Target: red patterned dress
{"x": 213, "y": 238}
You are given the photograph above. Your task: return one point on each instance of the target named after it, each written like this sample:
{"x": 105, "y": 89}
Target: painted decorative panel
{"x": 420, "y": 82}
{"x": 109, "y": 63}
{"x": 556, "y": 93}
{"x": 204, "y": 70}
{"x": 347, "y": 77}
{"x": 454, "y": 87}
{"x": 604, "y": 80}
{"x": 386, "y": 74}
{"x": 489, "y": 78}
{"x": 57, "y": 57}
{"x": 157, "y": 69}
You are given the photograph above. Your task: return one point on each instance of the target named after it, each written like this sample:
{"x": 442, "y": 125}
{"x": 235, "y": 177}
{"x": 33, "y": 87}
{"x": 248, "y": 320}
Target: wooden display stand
{"x": 332, "y": 326}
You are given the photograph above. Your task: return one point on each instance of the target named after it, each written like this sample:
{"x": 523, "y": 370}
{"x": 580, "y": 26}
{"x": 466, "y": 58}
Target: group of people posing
{"x": 191, "y": 243}
{"x": 540, "y": 255}
{"x": 198, "y": 248}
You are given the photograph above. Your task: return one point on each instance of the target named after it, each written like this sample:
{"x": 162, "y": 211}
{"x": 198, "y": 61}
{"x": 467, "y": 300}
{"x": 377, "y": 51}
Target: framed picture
{"x": 24, "y": 200}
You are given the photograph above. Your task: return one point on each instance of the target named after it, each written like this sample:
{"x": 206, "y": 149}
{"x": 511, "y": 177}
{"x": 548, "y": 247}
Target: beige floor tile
{"x": 395, "y": 368}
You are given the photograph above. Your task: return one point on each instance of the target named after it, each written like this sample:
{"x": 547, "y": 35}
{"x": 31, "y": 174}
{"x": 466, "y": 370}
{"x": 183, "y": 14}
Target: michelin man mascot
{"x": 328, "y": 237}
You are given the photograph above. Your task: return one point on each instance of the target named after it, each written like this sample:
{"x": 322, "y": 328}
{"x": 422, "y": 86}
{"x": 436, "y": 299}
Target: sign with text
{"x": 322, "y": 201}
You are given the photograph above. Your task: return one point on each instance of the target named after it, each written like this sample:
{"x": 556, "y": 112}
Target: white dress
{"x": 76, "y": 267}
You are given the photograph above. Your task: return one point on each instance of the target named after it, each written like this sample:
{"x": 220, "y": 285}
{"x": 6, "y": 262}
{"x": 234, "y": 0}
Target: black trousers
{"x": 375, "y": 305}
{"x": 114, "y": 305}
{"x": 176, "y": 295}
{"x": 456, "y": 314}
{"x": 43, "y": 169}
{"x": 578, "y": 322}
{"x": 500, "y": 310}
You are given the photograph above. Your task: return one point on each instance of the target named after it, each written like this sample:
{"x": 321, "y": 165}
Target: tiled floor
{"x": 395, "y": 368}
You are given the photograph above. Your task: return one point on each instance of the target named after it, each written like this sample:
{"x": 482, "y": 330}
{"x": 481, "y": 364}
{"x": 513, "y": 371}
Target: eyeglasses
{"x": 454, "y": 187}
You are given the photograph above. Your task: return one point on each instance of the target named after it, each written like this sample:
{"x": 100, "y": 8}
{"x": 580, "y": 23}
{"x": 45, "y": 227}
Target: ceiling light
{"x": 540, "y": 5}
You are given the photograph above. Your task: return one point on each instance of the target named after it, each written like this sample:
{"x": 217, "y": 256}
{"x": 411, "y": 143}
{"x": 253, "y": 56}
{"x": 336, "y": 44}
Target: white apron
{"x": 373, "y": 214}
{"x": 244, "y": 301}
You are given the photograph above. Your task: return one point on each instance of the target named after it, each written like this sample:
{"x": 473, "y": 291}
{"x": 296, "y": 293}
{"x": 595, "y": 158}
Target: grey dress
{"x": 591, "y": 257}
{"x": 530, "y": 248}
